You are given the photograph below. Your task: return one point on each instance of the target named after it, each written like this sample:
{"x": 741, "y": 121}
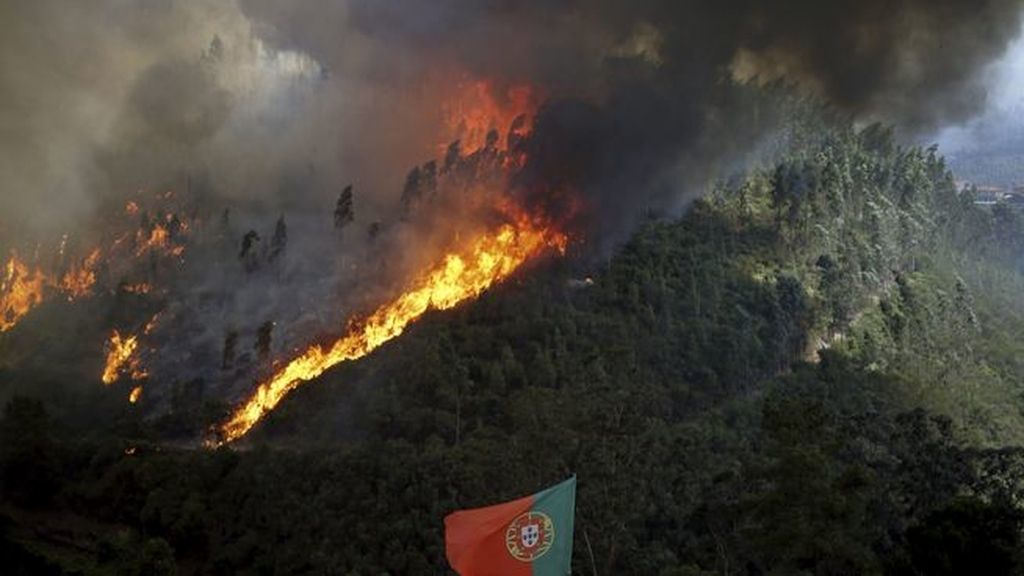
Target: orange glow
{"x": 135, "y": 394}
{"x": 481, "y": 107}
{"x": 140, "y": 288}
{"x": 21, "y": 289}
{"x": 151, "y": 325}
{"x": 460, "y": 275}
{"x": 157, "y": 239}
{"x": 24, "y": 286}
{"x": 78, "y": 281}
{"x": 120, "y": 356}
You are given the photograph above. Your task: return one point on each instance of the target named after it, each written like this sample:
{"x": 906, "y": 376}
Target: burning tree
{"x": 461, "y": 274}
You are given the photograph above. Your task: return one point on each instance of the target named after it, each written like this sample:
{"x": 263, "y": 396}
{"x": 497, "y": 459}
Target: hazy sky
{"x": 1004, "y": 114}
{"x": 99, "y": 100}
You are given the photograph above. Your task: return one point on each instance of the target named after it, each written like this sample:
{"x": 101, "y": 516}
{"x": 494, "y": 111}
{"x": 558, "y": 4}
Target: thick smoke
{"x": 100, "y": 101}
{"x": 271, "y": 108}
{"x": 643, "y": 108}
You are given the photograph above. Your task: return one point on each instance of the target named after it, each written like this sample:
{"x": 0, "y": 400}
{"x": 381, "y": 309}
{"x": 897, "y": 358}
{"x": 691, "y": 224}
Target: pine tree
{"x": 230, "y": 345}
{"x": 344, "y": 213}
{"x": 248, "y": 253}
{"x": 264, "y": 339}
{"x": 280, "y": 240}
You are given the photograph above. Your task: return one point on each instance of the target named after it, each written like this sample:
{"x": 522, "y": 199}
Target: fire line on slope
{"x": 460, "y": 275}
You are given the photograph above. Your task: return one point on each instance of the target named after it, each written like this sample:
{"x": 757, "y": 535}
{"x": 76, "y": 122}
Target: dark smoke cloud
{"x": 98, "y": 101}
{"x": 644, "y": 104}
{"x": 914, "y": 61}
{"x": 271, "y": 108}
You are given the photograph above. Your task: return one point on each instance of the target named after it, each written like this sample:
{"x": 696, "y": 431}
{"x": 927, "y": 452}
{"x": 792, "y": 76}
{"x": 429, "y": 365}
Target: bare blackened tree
{"x": 411, "y": 192}
{"x": 344, "y": 213}
{"x": 248, "y": 253}
{"x": 452, "y": 157}
{"x": 280, "y": 240}
{"x": 428, "y": 178}
{"x": 230, "y": 347}
{"x": 264, "y": 339}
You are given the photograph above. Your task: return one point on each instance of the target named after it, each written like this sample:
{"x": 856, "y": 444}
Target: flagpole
{"x": 590, "y": 552}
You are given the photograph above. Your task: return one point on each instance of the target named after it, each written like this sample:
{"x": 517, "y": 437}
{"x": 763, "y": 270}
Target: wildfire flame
{"x": 24, "y": 286}
{"x": 120, "y": 356}
{"x": 152, "y": 324}
{"x": 481, "y": 107}
{"x": 21, "y": 289}
{"x": 157, "y": 239}
{"x": 459, "y": 276}
{"x": 78, "y": 281}
{"x": 138, "y": 288}
{"x": 135, "y": 394}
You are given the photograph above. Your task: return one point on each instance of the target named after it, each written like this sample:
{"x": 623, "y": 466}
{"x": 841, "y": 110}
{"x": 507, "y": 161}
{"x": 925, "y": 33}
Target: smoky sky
{"x": 254, "y": 96}
{"x": 642, "y": 102}
{"x": 271, "y": 108}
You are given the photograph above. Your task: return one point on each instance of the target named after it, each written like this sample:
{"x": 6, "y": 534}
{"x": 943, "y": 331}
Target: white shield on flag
{"x": 530, "y": 535}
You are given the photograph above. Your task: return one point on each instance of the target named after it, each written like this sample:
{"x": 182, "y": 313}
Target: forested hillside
{"x": 817, "y": 369}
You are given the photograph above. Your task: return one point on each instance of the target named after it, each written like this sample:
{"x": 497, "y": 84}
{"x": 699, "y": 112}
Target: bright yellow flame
{"x": 135, "y": 394}
{"x": 121, "y": 350}
{"x": 21, "y": 289}
{"x": 460, "y": 275}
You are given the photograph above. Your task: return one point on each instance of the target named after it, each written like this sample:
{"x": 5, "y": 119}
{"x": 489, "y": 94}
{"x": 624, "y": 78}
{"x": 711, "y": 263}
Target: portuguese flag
{"x": 531, "y": 536}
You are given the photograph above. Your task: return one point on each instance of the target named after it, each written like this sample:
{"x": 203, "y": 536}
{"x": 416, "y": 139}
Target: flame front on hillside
{"x": 460, "y": 275}
{"x": 21, "y": 289}
{"x": 25, "y": 285}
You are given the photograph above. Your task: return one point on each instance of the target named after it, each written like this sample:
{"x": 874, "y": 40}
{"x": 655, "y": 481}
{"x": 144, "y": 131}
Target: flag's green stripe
{"x": 558, "y": 502}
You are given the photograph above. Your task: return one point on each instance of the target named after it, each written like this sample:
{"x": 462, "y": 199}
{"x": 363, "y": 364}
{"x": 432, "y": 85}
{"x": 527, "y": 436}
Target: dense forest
{"x": 817, "y": 369}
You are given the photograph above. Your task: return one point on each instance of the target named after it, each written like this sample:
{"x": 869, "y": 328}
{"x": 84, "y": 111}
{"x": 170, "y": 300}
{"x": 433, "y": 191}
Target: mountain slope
{"x": 816, "y": 369}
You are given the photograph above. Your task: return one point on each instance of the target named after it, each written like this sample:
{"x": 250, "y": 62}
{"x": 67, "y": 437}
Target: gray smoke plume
{"x": 97, "y": 102}
{"x": 271, "y": 108}
{"x": 643, "y": 98}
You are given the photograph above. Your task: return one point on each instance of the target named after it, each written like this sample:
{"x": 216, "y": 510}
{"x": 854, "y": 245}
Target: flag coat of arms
{"x": 530, "y": 536}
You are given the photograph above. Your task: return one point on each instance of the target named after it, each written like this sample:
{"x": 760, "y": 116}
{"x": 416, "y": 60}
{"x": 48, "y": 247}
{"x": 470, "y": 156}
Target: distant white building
{"x": 988, "y": 195}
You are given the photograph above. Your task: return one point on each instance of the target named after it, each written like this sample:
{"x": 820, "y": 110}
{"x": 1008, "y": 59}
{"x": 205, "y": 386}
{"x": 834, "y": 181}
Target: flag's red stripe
{"x": 475, "y": 540}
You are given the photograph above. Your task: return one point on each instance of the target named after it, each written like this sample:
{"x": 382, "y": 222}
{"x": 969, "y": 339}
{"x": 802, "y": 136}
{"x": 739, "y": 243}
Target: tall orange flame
{"x": 24, "y": 286}
{"x": 481, "y": 107}
{"x": 460, "y": 275}
{"x": 157, "y": 239}
{"x": 135, "y": 394}
{"x": 120, "y": 355}
{"x": 78, "y": 281}
{"x": 21, "y": 289}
